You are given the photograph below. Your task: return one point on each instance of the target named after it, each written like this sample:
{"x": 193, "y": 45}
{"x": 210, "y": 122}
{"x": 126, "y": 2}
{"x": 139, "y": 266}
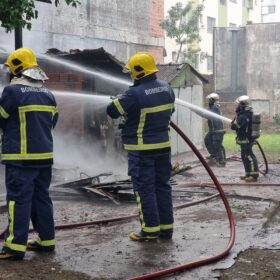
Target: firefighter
{"x": 147, "y": 107}
{"x": 28, "y": 114}
{"x": 242, "y": 124}
{"x": 214, "y": 138}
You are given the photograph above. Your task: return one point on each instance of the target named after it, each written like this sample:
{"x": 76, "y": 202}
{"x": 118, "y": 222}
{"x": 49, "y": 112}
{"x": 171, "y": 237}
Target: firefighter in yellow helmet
{"x": 147, "y": 107}
{"x": 28, "y": 114}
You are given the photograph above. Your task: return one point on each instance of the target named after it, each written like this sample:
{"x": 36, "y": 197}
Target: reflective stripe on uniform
{"x": 165, "y": 227}
{"x": 147, "y": 146}
{"x": 150, "y": 229}
{"x": 45, "y": 242}
{"x": 15, "y": 247}
{"x": 139, "y": 206}
{"x": 141, "y": 215}
{"x": 9, "y": 240}
{"x": 119, "y": 106}
{"x": 142, "y": 119}
{"x": 242, "y": 141}
{"x": 3, "y": 113}
{"x": 36, "y": 156}
{"x": 251, "y": 163}
{"x": 22, "y": 119}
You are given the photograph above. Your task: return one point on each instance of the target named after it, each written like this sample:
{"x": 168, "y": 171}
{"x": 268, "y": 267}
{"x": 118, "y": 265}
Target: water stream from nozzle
{"x": 86, "y": 70}
{"x": 201, "y": 111}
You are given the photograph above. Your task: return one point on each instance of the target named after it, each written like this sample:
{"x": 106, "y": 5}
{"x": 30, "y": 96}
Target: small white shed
{"x": 187, "y": 84}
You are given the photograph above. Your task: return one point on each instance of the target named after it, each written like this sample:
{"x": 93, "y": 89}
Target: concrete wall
{"x": 263, "y": 60}
{"x": 230, "y": 62}
{"x": 249, "y": 64}
{"x": 121, "y": 27}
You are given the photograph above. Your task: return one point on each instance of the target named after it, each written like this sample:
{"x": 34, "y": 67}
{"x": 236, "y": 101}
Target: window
{"x": 268, "y": 10}
{"x": 210, "y": 63}
{"x": 211, "y": 22}
{"x": 271, "y": 9}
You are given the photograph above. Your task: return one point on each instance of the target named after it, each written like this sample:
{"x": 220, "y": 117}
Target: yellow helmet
{"x": 140, "y": 65}
{"x": 21, "y": 59}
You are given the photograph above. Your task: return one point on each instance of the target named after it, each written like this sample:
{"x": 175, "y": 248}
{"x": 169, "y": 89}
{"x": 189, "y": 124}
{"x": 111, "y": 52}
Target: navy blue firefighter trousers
{"x": 28, "y": 197}
{"x": 150, "y": 177}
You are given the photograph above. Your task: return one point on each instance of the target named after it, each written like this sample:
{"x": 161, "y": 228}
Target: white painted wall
{"x": 189, "y": 122}
{"x": 270, "y": 17}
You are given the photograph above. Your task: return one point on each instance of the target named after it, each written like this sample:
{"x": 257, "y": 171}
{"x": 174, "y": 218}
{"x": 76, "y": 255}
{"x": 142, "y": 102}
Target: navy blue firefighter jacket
{"x": 215, "y": 125}
{"x": 147, "y": 107}
{"x": 27, "y": 117}
{"x": 242, "y": 124}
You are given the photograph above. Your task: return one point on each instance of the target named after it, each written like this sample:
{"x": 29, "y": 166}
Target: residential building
{"x": 270, "y": 11}
{"x": 216, "y": 13}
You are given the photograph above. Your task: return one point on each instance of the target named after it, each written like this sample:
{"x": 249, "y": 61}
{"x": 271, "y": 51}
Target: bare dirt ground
{"x": 105, "y": 251}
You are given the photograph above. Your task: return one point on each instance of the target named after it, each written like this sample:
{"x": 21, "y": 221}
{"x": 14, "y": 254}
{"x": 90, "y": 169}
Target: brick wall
{"x": 156, "y": 17}
{"x": 155, "y": 30}
{"x": 71, "y": 115}
{"x": 157, "y": 53}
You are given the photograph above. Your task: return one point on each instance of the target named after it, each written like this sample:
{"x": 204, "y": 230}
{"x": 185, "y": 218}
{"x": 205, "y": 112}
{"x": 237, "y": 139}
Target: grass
{"x": 270, "y": 142}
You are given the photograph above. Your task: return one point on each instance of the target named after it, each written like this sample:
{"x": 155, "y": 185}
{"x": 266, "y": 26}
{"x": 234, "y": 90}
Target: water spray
{"x": 86, "y": 70}
{"x": 94, "y": 96}
{"x": 201, "y": 111}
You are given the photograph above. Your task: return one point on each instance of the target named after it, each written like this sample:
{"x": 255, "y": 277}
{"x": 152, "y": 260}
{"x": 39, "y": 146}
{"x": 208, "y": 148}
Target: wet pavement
{"x": 105, "y": 251}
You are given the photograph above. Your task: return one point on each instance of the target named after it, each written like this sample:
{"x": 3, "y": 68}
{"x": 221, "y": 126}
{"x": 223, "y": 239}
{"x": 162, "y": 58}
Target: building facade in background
{"x": 270, "y": 11}
{"x": 120, "y": 27}
{"x": 216, "y": 13}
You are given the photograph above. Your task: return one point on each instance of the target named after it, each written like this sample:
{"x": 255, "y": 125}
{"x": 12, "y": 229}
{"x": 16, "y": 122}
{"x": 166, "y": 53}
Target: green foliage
{"x": 181, "y": 24}
{"x": 276, "y": 118}
{"x": 270, "y": 142}
{"x": 19, "y": 13}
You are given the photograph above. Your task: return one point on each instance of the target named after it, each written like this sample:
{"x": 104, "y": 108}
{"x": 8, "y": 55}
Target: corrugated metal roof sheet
{"x": 168, "y": 72}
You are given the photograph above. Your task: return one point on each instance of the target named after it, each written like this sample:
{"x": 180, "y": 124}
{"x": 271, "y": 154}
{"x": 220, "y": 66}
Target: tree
{"x": 181, "y": 24}
{"x": 19, "y": 13}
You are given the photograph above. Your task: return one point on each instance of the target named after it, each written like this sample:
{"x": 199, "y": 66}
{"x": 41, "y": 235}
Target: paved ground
{"x": 105, "y": 251}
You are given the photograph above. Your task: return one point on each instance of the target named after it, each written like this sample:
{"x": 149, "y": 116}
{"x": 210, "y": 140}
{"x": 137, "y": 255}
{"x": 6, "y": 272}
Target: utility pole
{"x": 18, "y": 37}
{"x": 18, "y": 30}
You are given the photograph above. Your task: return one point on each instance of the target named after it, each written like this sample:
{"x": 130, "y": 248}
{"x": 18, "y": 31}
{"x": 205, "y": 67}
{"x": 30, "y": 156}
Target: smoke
{"x": 91, "y": 158}
{"x": 85, "y": 138}
{"x": 86, "y": 70}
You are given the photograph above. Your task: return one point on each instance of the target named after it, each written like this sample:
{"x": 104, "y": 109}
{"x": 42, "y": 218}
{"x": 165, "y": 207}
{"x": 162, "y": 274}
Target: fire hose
{"x": 193, "y": 264}
{"x": 264, "y": 157}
